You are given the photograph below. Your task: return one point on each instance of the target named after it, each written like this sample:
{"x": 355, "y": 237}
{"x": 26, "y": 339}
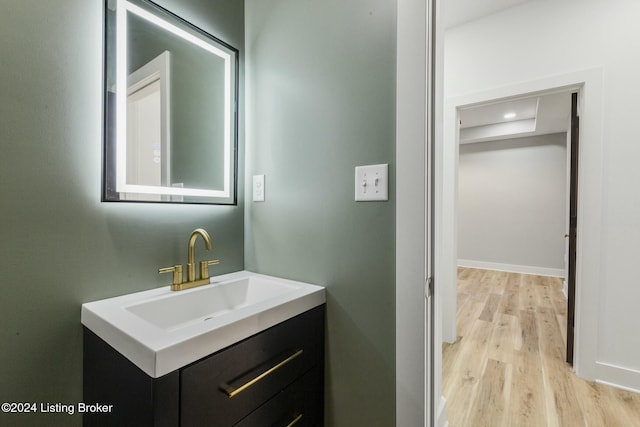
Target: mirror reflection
{"x": 171, "y": 122}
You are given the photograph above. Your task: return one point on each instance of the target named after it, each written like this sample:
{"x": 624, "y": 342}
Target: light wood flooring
{"x": 507, "y": 366}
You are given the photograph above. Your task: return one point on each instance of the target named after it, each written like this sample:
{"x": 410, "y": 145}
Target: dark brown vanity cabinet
{"x": 274, "y": 378}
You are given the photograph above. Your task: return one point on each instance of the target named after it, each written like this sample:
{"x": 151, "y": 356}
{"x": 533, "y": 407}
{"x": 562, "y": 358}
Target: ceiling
{"x": 458, "y": 12}
{"x": 535, "y": 115}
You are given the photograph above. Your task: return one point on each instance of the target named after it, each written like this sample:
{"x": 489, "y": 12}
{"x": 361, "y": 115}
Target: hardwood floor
{"x": 507, "y": 367}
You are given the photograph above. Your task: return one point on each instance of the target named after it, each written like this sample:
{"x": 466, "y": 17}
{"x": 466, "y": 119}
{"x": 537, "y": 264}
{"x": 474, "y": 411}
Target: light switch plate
{"x": 372, "y": 183}
{"x": 258, "y": 188}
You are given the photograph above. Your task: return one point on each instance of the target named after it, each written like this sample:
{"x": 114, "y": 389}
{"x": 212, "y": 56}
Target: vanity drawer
{"x": 300, "y": 405}
{"x": 225, "y": 387}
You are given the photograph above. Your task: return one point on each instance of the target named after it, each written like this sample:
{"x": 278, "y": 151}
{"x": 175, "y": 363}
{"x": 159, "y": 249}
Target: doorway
{"x": 588, "y": 84}
{"x": 499, "y": 158}
{"x": 554, "y": 104}
{"x": 514, "y": 174}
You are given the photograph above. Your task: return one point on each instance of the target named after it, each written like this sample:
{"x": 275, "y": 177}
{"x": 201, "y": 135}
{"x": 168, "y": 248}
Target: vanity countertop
{"x": 160, "y": 330}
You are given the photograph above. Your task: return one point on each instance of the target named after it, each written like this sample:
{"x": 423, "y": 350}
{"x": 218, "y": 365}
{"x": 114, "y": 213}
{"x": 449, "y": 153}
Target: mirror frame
{"x": 115, "y": 110}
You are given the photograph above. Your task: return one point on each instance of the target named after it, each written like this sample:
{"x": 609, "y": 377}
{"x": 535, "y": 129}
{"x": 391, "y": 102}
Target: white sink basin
{"x": 161, "y": 330}
{"x": 180, "y": 309}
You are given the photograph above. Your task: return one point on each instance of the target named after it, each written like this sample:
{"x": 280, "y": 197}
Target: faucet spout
{"x": 178, "y": 284}
{"x": 191, "y": 263}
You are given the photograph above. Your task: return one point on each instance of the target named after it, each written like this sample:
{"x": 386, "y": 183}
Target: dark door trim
{"x": 573, "y": 225}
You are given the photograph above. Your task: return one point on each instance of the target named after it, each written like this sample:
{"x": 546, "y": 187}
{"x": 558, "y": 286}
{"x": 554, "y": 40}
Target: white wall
{"x": 543, "y": 39}
{"x": 511, "y": 204}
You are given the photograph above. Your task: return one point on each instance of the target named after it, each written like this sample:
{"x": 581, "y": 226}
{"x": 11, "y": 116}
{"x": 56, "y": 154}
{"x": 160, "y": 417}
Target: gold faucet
{"x": 178, "y": 284}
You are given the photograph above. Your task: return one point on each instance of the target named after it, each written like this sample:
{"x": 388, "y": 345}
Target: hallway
{"x": 507, "y": 366}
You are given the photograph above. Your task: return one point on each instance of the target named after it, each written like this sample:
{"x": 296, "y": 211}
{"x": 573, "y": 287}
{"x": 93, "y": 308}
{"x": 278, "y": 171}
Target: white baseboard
{"x": 512, "y": 268}
{"x": 442, "y": 419}
{"x": 565, "y": 288}
{"x": 618, "y": 376}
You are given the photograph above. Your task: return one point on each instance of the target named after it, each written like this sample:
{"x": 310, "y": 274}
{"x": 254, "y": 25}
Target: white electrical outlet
{"x": 258, "y": 188}
{"x": 372, "y": 183}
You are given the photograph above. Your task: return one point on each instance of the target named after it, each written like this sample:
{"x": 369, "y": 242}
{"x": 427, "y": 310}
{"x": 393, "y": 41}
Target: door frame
{"x": 411, "y": 138}
{"x": 588, "y": 83}
{"x": 418, "y": 121}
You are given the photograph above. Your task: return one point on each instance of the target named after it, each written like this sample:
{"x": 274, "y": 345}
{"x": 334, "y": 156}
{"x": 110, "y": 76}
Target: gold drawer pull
{"x": 232, "y": 391}
{"x": 295, "y": 420}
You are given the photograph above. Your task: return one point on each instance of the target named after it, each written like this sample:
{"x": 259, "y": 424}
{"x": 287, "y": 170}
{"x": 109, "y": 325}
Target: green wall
{"x": 323, "y": 93}
{"x": 320, "y": 101}
{"x": 59, "y": 245}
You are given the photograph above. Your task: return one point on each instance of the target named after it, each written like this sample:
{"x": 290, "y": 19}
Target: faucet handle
{"x": 177, "y": 273}
{"x": 204, "y": 267}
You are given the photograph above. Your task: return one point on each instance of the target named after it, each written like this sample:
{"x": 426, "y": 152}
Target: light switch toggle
{"x": 372, "y": 183}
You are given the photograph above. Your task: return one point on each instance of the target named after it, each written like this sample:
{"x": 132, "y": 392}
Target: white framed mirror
{"x": 171, "y": 94}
